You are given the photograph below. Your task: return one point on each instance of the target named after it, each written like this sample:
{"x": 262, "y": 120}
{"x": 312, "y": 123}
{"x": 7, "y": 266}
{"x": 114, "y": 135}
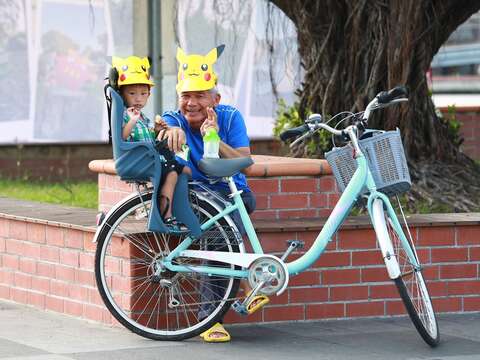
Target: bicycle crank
{"x": 268, "y": 275}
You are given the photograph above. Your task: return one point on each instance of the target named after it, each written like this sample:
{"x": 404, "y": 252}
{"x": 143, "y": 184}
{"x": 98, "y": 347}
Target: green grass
{"x": 80, "y": 194}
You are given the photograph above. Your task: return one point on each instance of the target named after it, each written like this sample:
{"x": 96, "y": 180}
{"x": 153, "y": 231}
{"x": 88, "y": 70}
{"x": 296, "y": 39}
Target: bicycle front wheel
{"x": 160, "y": 304}
{"x": 410, "y": 284}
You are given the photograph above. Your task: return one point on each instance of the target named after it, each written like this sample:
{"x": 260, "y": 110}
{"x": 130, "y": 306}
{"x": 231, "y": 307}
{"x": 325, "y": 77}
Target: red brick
{"x": 28, "y": 265}
{"x": 36, "y": 299}
{"x": 87, "y": 261}
{"x": 318, "y": 200}
{"x": 18, "y": 295}
{"x": 305, "y": 278}
{"x": 264, "y": 186}
{"x": 325, "y": 311}
{"x": 50, "y": 253}
{"x": 297, "y": 214}
{"x": 333, "y": 259}
{"x": 342, "y": 293}
{"x": 41, "y": 285}
{"x": 449, "y": 304}
{"x": 367, "y": 258}
{"x": 7, "y": 276}
{"x": 437, "y": 288}
{"x": 276, "y": 241}
{"x": 36, "y": 233}
{"x": 436, "y": 236}
{"x": 59, "y": 288}
{"x": 464, "y": 287}
{"x": 69, "y": 257}
{"x": 31, "y": 250}
{"x": 94, "y": 297}
{"x": 370, "y": 308}
{"x": 2, "y": 245}
{"x": 395, "y": 308}
{"x": 85, "y": 277}
{"x": 73, "y": 308}
{"x": 474, "y": 254}
{"x": 264, "y": 214}
{"x": 64, "y": 273}
{"x": 279, "y": 300}
{"x": 262, "y": 202}
{"x": 324, "y": 213}
{"x": 10, "y": 261}
{"x": 233, "y": 318}
{"x": 344, "y": 276}
{"x": 458, "y": 271}
{"x": 357, "y": 239}
{"x": 449, "y": 255}
{"x": 333, "y": 200}
{"x": 55, "y": 236}
{"x": 431, "y": 272}
{"x": 88, "y": 244}
{"x": 78, "y": 292}
{"x": 4, "y": 292}
{"x": 95, "y": 313}
{"x": 54, "y": 303}
{"x": 74, "y": 239}
{"x": 13, "y": 246}
{"x": 46, "y": 269}
{"x": 377, "y": 274}
{"x": 388, "y": 291}
{"x": 283, "y": 313}
{"x": 308, "y": 294}
{"x": 23, "y": 280}
{"x": 471, "y": 303}
{"x": 298, "y": 185}
{"x": 4, "y": 227}
{"x": 468, "y": 235}
{"x": 289, "y": 201}
{"x": 327, "y": 184}
{"x": 18, "y": 230}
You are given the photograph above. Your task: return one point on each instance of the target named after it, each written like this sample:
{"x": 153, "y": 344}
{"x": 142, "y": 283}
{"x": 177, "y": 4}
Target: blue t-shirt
{"x": 232, "y": 131}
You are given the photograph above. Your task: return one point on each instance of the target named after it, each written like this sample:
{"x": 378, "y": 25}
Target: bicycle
{"x": 157, "y": 285}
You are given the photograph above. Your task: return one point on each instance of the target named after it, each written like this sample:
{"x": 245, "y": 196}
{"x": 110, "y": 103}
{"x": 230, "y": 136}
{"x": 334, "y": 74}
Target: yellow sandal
{"x": 219, "y": 329}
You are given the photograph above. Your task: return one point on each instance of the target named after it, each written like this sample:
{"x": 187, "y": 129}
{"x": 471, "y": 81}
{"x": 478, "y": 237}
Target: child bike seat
{"x": 224, "y": 167}
{"x": 140, "y": 161}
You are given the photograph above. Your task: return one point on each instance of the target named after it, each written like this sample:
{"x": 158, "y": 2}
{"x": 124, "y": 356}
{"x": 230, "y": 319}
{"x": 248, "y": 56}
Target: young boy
{"x": 134, "y": 87}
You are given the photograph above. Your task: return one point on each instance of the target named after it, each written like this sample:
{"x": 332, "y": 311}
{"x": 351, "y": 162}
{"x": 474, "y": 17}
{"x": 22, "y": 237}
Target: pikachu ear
{"x": 212, "y": 56}
{"x": 116, "y": 62}
{"x": 181, "y": 56}
{"x": 146, "y": 62}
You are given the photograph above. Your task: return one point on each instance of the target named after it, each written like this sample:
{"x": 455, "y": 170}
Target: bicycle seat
{"x": 224, "y": 167}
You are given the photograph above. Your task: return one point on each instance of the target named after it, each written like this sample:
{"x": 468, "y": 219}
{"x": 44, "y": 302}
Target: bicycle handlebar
{"x": 383, "y": 99}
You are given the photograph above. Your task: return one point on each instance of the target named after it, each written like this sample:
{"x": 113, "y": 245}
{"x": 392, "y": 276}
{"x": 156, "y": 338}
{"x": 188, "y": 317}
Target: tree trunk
{"x": 353, "y": 49}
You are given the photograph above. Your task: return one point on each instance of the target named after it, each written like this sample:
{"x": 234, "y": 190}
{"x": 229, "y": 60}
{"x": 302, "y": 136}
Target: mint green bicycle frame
{"x": 361, "y": 178}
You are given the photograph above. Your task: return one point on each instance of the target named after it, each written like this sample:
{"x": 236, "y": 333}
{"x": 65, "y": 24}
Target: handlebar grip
{"x": 385, "y": 97}
{"x": 294, "y": 132}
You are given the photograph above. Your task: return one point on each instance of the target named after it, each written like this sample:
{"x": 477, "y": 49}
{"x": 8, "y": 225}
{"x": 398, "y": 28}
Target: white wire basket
{"x": 386, "y": 160}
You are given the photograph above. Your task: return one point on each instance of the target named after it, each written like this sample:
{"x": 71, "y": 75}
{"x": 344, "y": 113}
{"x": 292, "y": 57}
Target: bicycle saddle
{"x": 224, "y": 167}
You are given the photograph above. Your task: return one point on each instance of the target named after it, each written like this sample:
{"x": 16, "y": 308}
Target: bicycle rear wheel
{"x": 161, "y": 305}
{"x": 410, "y": 284}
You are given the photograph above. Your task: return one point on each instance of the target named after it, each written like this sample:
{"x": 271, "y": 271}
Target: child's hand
{"x": 133, "y": 114}
{"x": 160, "y": 124}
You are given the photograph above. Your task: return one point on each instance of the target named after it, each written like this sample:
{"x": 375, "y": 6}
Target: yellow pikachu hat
{"x": 195, "y": 72}
{"x": 132, "y": 70}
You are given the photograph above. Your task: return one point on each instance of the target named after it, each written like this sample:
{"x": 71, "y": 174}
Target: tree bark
{"x": 353, "y": 49}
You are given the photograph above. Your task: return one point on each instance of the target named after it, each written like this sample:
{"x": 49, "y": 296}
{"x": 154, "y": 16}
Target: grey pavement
{"x": 27, "y": 333}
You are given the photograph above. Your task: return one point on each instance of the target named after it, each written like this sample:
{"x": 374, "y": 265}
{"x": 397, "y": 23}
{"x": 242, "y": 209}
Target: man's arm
{"x": 227, "y": 152}
{"x": 176, "y": 137}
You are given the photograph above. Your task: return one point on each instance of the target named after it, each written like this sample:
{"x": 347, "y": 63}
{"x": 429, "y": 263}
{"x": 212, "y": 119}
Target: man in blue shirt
{"x": 200, "y": 109}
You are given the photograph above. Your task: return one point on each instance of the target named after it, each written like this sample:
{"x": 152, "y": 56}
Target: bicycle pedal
{"x": 239, "y": 307}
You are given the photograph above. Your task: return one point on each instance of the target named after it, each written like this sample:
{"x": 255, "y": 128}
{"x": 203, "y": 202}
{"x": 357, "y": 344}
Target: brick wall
{"x": 278, "y": 197}
{"x": 50, "y": 266}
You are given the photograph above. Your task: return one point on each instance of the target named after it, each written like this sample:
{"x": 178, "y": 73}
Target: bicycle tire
{"x": 137, "y": 297}
{"x": 410, "y": 283}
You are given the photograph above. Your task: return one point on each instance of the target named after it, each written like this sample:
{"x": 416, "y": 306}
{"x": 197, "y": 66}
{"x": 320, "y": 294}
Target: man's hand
{"x": 210, "y": 121}
{"x": 175, "y": 136}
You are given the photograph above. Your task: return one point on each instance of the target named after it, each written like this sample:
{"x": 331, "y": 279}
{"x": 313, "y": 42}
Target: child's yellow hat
{"x": 132, "y": 70}
{"x": 195, "y": 72}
